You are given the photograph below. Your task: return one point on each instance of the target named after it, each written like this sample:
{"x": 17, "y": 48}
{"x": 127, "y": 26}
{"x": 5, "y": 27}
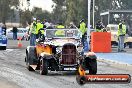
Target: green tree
{"x": 26, "y": 16}
{"x": 41, "y": 14}
{"x": 75, "y": 10}
{"x": 59, "y": 11}
{"x": 5, "y": 8}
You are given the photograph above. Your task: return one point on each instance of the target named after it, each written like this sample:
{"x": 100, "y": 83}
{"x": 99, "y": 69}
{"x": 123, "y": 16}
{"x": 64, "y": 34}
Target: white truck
{"x": 113, "y": 28}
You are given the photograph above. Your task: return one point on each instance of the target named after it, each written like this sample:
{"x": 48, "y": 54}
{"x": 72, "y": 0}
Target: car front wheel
{"x": 43, "y": 67}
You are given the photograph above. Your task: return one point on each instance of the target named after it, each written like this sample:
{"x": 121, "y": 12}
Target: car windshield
{"x": 62, "y": 33}
{"x": 21, "y": 30}
{"x": 112, "y": 27}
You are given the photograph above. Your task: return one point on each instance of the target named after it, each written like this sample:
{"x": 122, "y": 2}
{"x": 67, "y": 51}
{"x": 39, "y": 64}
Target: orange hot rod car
{"x": 59, "y": 53}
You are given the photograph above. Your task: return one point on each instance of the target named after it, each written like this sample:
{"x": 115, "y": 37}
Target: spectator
{"x": 99, "y": 26}
{"x": 121, "y": 36}
{"x": 83, "y": 30}
{"x": 32, "y": 32}
{"x": 15, "y": 30}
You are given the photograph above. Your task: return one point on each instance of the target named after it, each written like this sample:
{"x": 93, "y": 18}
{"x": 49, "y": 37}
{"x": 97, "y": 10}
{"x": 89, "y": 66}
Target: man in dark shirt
{"x": 99, "y": 26}
{"x": 15, "y": 33}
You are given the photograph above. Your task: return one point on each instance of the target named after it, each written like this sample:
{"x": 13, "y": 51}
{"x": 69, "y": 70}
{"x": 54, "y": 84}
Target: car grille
{"x": 68, "y": 54}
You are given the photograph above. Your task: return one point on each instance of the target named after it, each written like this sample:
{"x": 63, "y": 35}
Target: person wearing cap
{"x": 83, "y": 30}
{"x": 99, "y": 26}
{"x": 32, "y": 32}
{"x": 121, "y": 35}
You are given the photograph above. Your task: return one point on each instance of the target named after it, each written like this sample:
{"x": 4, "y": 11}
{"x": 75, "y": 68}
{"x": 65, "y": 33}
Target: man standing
{"x": 99, "y": 26}
{"x": 39, "y": 29}
{"x": 82, "y": 28}
{"x": 121, "y": 36}
{"x": 15, "y": 30}
{"x": 32, "y": 32}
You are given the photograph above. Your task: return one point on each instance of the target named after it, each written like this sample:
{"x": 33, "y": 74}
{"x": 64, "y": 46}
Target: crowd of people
{"x": 37, "y": 29}
{"x": 36, "y": 26}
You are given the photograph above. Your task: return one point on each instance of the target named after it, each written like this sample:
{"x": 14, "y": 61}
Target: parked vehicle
{"x": 3, "y": 39}
{"x": 27, "y": 36}
{"x": 113, "y": 28}
{"x": 59, "y": 53}
{"x": 20, "y": 34}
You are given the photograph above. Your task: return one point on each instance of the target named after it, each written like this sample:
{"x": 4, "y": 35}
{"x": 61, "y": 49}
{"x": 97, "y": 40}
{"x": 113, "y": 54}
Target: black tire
{"x": 43, "y": 67}
{"x": 130, "y": 45}
{"x": 91, "y": 65}
{"x": 81, "y": 80}
{"x": 125, "y": 45}
{"x": 30, "y": 56}
{"x": 2, "y": 47}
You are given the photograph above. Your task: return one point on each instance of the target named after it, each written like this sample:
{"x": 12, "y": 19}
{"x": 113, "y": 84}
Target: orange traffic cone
{"x": 19, "y": 42}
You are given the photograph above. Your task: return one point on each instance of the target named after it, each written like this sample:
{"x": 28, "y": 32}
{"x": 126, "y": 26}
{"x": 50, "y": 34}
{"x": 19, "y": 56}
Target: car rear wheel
{"x": 2, "y": 47}
{"x": 91, "y": 65}
{"x": 43, "y": 67}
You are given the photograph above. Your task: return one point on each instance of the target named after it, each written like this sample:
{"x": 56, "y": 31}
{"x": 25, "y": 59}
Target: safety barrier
{"x": 101, "y": 42}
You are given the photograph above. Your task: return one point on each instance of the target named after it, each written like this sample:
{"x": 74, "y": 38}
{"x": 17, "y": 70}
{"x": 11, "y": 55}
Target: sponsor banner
{"x": 104, "y": 78}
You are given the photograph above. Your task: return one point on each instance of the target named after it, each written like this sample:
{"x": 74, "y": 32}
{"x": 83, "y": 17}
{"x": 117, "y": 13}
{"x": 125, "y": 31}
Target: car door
{"x": 9, "y": 34}
{"x": 20, "y": 33}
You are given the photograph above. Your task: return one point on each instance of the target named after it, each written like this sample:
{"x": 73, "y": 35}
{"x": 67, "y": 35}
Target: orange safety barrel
{"x": 101, "y": 42}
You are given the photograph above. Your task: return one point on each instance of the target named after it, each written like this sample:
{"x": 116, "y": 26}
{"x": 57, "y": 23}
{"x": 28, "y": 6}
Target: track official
{"x": 83, "y": 30}
{"x": 121, "y": 36}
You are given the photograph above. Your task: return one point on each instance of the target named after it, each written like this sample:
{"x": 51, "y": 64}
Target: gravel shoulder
{"x": 4, "y": 83}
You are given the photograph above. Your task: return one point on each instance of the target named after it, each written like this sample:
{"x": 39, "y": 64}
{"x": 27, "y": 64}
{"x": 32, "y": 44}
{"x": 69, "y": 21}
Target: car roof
{"x": 112, "y": 25}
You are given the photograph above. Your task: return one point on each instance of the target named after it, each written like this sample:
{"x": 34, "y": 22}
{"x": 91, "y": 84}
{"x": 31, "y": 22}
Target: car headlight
{"x": 115, "y": 36}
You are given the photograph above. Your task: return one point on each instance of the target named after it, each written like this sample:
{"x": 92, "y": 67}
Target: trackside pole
{"x": 88, "y": 30}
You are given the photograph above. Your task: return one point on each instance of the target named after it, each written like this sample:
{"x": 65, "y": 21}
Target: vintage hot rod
{"x": 60, "y": 52}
